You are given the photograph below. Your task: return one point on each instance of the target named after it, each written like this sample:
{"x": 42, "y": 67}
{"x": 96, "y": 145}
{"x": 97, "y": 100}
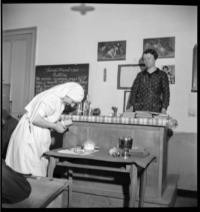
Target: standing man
{"x": 150, "y": 90}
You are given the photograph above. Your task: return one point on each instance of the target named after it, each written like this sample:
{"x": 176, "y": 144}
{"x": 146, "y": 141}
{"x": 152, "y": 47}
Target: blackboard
{"x": 47, "y": 76}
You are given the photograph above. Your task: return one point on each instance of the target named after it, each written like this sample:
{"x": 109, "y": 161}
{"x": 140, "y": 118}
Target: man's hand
{"x": 130, "y": 109}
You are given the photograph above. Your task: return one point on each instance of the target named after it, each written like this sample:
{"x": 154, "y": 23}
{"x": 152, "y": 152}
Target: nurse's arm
{"x": 41, "y": 122}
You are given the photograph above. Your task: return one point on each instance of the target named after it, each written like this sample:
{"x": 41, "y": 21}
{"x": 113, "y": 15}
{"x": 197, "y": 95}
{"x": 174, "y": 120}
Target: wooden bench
{"x": 46, "y": 193}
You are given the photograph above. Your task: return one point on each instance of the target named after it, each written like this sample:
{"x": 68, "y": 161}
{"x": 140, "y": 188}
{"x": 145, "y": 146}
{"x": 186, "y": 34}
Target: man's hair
{"x": 151, "y": 51}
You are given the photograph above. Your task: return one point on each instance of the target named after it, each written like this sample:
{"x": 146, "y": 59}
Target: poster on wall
{"x": 47, "y": 76}
{"x": 170, "y": 70}
{"x": 111, "y": 50}
{"x": 165, "y": 46}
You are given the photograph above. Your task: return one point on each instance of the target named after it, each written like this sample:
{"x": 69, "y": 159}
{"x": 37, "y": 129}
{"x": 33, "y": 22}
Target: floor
{"x": 186, "y": 201}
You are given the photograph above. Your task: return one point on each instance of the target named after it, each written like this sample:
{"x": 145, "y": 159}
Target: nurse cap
{"x": 76, "y": 93}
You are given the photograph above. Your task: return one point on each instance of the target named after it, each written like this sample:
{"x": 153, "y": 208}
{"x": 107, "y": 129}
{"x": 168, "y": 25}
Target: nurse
{"x": 31, "y": 137}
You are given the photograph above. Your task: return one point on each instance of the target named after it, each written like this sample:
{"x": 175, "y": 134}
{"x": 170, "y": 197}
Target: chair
{"x": 46, "y": 193}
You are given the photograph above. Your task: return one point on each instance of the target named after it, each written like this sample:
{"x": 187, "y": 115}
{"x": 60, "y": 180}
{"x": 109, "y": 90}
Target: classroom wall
{"x": 67, "y": 37}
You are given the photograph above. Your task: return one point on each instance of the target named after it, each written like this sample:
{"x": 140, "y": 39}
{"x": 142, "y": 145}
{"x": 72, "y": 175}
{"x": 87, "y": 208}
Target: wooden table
{"x": 153, "y": 138}
{"x": 135, "y": 166}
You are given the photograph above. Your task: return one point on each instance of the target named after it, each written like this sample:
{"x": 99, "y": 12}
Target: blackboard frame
{"x": 47, "y": 76}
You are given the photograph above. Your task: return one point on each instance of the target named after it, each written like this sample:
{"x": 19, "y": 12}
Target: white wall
{"x": 66, "y": 37}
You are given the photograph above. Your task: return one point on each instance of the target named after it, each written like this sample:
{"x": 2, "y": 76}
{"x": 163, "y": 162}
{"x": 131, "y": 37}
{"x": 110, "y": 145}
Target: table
{"x": 135, "y": 166}
{"x": 152, "y": 134}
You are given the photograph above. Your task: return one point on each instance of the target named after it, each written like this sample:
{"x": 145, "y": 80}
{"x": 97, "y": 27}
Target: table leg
{"x": 70, "y": 177}
{"x": 65, "y": 196}
{"x": 51, "y": 166}
{"x": 142, "y": 188}
{"x": 133, "y": 185}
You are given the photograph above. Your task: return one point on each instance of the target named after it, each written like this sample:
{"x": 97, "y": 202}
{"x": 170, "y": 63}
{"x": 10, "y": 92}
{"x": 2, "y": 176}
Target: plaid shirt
{"x": 150, "y": 92}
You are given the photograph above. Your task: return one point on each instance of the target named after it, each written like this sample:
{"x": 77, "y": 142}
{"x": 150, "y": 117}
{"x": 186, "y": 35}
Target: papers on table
{"x": 150, "y": 114}
{"x": 143, "y": 114}
{"x": 74, "y": 152}
{"x": 128, "y": 114}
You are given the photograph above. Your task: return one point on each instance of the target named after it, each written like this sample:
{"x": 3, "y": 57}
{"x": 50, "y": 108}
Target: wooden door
{"x": 18, "y": 69}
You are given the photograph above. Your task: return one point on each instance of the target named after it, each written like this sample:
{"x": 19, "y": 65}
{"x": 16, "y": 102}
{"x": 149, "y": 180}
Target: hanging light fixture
{"x": 82, "y": 8}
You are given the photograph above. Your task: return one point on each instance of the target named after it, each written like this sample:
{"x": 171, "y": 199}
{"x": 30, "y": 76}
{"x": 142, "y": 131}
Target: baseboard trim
{"x": 187, "y": 193}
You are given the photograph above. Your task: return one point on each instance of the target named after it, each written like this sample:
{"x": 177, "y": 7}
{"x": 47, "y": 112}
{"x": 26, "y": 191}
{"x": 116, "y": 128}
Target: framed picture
{"x": 126, "y": 98}
{"x": 194, "y": 70}
{"x": 126, "y": 75}
{"x": 170, "y": 70}
{"x": 165, "y": 47}
{"x": 112, "y": 50}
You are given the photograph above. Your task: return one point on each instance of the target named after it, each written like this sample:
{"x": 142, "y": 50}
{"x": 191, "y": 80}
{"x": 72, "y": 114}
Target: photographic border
{"x": 194, "y": 70}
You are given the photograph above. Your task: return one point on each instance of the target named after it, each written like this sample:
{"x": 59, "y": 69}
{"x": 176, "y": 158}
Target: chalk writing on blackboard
{"x": 47, "y": 76}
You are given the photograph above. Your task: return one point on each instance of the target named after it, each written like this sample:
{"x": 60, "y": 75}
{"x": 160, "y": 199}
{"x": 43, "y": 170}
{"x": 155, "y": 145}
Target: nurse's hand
{"x": 66, "y": 123}
{"x": 58, "y": 126}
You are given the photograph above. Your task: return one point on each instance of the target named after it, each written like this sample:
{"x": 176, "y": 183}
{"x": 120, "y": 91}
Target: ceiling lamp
{"x": 82, "y": 8}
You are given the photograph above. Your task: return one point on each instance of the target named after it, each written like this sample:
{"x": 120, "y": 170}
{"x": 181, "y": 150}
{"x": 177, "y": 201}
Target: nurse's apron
{"x": 27, "y": 145}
